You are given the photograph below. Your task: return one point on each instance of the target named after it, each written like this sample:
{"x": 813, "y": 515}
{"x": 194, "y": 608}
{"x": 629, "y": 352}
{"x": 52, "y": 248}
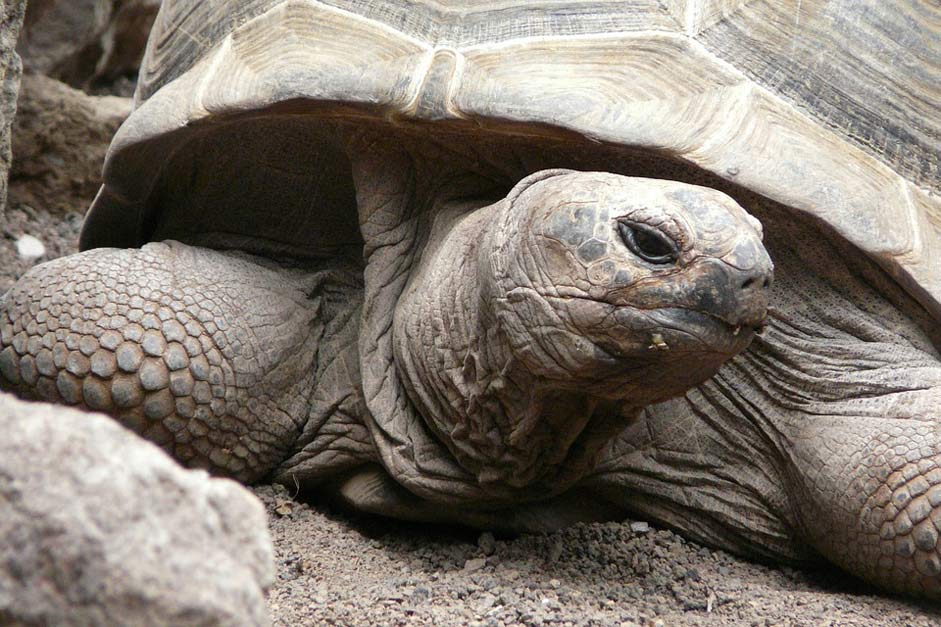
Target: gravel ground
{"x": 58, "y": 234}
{"x": 334, "y": 569}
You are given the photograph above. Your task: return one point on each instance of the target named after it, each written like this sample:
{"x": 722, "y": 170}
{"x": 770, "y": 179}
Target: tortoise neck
{"x": 501, "y": 422}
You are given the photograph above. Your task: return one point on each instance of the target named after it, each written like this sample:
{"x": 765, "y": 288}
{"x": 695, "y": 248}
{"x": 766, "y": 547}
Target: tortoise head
{"x": 626, "y": 286}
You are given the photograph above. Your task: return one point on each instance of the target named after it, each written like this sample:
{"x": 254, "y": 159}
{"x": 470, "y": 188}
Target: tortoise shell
{"x": 826, "y": 107}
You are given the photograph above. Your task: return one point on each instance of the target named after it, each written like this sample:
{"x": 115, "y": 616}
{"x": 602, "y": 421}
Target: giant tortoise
{"x": 479, "y": 262}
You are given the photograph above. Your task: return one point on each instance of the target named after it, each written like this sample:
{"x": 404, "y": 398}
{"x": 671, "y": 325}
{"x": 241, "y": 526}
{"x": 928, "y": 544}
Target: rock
{"x": 59, "y": 237}
{"x": 29, "y": 247}
{"x": 487, "y": 543}
{"x": 60, "y": 136}
{"x": 474, "y": 564}
{"x": 11, "y": 17}
{"x": 284, "y": 507}
{"x": 640, "y": 527}
{"x": 99, "y": 527}
{"x": 86, "y": 43}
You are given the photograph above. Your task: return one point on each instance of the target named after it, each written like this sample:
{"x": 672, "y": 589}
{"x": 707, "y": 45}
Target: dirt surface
{"x": 334, "y": 569}
{"x": 337, "y": 570}
{"x": 57, "y": 233}
{"x": 341, "y": 570}
{"x": 60, "y": 136}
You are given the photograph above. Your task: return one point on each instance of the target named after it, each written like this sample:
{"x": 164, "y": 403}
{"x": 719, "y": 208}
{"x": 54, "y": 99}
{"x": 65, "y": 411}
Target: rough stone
{"x": 87, "y": 43}
{"x": 100, "y": 527}
{"x": 11, "y": 17}
{"x": 57, "y": 125}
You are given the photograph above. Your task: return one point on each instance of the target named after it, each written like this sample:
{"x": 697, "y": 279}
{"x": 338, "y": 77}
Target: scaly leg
{"x": 209, "y": 354}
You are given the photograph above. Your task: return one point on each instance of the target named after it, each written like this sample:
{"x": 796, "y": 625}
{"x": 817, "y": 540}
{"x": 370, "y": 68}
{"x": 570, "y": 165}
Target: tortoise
{"x": 488, "y": 263}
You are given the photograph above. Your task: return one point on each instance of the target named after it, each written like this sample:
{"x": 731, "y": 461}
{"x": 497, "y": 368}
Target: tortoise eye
{"x": 648, "y": 243}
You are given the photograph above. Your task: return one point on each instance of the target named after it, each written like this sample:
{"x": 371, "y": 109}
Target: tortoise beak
{"x": 754, "y": 289}
{"x": 737, "y": 297}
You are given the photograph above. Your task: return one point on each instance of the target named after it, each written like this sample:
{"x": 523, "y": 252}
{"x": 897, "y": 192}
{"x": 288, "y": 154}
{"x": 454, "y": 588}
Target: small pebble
{"x": 29, "y": 247}
{"x": 487, "y": 543}
{"x": 474, "y": 564}
{"x": 284, "y": 507}
{"x": 640, "y": 527}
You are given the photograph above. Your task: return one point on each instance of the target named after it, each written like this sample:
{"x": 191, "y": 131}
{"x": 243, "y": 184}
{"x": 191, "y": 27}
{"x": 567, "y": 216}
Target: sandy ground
{"x": 336, "y": 569}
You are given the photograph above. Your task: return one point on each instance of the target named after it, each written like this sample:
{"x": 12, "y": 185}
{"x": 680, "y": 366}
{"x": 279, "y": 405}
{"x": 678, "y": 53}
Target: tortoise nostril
{"x": 754, "y": 281}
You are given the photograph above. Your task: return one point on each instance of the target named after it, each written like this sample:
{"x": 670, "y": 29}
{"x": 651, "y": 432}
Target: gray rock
{"x": 99, "y": 527}
{"x": 85, "y": 42}
{"x": 11, "y": 17}
{"x": 60, "y": 137}
{"x": 487, "y": 543}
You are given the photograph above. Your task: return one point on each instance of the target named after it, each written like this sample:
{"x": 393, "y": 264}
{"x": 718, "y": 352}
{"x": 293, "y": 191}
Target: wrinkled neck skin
{"x": 502, "y": 423}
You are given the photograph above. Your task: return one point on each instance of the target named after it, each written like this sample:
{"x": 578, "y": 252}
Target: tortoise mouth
{"x": 683, "y": 331}
{"x": 679, "y": 329}
{"x": 629, "y": 335}
{"x": 757, "y": 325}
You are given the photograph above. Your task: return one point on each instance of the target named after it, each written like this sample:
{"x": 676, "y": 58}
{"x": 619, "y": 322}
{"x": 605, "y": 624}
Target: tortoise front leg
{"x": 869, "y": 496}
{"x": 862, "y": 492}
{"x": 208, "y": 354}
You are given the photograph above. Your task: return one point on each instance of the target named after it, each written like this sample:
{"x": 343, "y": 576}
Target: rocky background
{"x": 11, "y": 18}
{"x": 333, "y": 569}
